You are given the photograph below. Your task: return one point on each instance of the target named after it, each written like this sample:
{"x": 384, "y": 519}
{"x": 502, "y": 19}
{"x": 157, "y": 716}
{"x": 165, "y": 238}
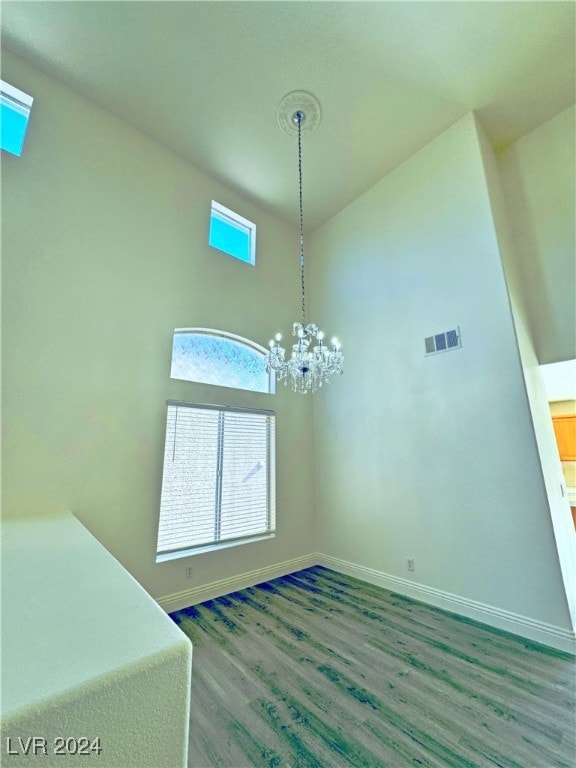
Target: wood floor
{"x": 320, "y": 670}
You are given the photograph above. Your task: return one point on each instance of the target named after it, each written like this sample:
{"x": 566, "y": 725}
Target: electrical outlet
{"x": 410, "y": 563}
{"x": 189, "y": 572}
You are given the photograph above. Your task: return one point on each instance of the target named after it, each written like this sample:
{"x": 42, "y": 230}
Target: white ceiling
{"x": 205, "y": 79}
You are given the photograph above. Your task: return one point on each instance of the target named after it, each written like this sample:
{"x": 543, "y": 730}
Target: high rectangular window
{"x": 15, "y": 106}
{"x": 218, "y": 484}
{"x": 231, "y": 233}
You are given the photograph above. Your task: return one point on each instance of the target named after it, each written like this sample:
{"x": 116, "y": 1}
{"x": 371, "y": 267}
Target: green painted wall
{"x": 435, "y": 456}
{"x": 104, "y": 254}
{"x": 539, "y": 182}
{"x": 522, "y": 306}
{"x": 104, "y": 248}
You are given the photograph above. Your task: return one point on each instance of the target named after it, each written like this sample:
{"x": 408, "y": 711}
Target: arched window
{"x": 215, "y": 357}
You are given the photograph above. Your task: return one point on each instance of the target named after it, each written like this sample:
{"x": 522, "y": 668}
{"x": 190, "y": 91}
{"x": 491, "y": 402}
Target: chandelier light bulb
{"x": 278, "y": 336}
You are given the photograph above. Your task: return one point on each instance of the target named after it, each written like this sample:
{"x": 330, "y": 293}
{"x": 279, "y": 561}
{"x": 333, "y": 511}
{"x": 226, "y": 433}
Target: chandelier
{"x": 312, "y": 362}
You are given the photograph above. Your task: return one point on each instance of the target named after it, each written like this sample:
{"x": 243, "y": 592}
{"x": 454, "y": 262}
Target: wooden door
{"x": 565, "y": 430}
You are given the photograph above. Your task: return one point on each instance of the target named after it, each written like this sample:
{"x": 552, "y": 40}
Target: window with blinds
{"x": 218, "y": 485}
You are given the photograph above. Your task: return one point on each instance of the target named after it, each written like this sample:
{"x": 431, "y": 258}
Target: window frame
{"x": 269, "y": 531}
{"x": 238, "y": 222}
{"x": 19, "y": 102}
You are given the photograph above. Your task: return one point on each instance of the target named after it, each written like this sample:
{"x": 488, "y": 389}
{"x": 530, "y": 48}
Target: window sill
{"x": 163, "y": 557}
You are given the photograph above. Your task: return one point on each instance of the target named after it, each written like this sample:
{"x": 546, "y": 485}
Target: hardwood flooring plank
{"x": 320, "y": 669}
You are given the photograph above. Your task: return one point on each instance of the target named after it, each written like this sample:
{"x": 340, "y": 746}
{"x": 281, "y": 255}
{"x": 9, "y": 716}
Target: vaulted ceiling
{"x": 205, "y": 79}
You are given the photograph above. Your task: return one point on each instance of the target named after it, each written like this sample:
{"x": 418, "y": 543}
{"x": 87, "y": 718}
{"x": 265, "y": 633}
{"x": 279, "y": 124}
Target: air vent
{"x": 443, "y": 342}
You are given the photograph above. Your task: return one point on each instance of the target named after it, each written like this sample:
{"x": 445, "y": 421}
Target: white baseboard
{"x": 531, "y": 629}
{"x": 223, "y": 587}
{"x": 547, "y": 634}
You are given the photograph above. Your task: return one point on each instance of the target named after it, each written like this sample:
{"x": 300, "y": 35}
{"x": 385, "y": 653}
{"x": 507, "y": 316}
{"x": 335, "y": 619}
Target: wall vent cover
{"x": 443, "y": 342}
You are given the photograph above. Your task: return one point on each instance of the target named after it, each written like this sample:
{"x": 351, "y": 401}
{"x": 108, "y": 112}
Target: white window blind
{"x": 218, "y": 485}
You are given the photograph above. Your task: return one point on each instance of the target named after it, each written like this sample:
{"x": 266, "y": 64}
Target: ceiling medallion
{"x": 291, "y": 104}
{"x": 309, "y": 366}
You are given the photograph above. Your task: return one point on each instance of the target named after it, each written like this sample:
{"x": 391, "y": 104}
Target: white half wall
{"x": 431, "y": 458}
{"x": 93, "y": 671}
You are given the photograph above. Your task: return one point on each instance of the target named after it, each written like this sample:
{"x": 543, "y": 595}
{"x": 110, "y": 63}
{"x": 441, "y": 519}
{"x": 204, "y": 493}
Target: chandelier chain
{"x": 311, "y": 363}
{"x": 299, "y": 119}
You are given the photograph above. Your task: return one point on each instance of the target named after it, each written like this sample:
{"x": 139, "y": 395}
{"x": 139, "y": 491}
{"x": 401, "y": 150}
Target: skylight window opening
{"x": 15, "y": 106}
{"x": 232, "y": 233}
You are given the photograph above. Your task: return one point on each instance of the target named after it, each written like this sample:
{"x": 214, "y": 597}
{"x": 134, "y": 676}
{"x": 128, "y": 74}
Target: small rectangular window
{"x": 218, "y": 483}
{"x": 232, "y": 233}
{"x": 15, "y": 109}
